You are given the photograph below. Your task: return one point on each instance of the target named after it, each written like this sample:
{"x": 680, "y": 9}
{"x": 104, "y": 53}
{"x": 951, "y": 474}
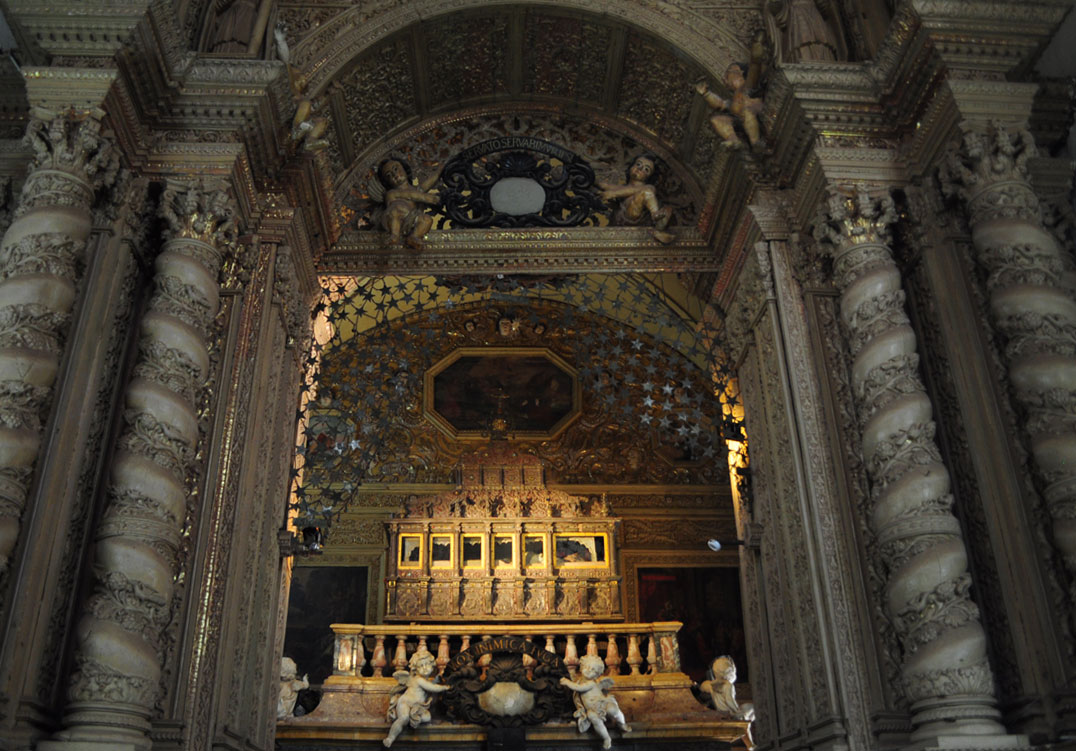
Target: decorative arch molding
{"x": 609, "y": 147}
{"x": 320, "y": 57}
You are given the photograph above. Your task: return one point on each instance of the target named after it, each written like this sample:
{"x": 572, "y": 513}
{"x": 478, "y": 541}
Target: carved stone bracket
{"x": 1032, "y": 306}
{"x": 945, "y": 669}
{"x": 138, "y": 536}
{"x": 41, "y": 261}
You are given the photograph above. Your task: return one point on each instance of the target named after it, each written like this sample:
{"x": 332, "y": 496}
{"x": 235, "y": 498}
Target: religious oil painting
{"x": 410, "y": 551}
{"x": 707, "y": 601}
{"x": 472, "y": 551}
{"x": 504, "y": 550}
{"x": 441, "y": 551}
{"x": 534, "y": 551}
{"x": 319, "y": 596}
{"x": 580, "y": 550}
{"x": 528, "y": 392}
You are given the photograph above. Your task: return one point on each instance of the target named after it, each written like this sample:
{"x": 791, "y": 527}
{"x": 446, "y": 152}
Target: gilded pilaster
{"x": 1032, "y": 306}
{"x": 117, "y": 662}
{"x": 42, "y": 256}
{"x": 946, "y": 675}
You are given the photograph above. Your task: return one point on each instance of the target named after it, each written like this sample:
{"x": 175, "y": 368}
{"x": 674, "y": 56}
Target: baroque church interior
{"x": 679, "y": 374}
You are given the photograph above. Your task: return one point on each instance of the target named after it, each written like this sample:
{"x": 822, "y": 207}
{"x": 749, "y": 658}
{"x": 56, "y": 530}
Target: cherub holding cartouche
{"x": 403, "y": 215}
{"x": 411, "y": 703}
{"x": 638, "y": 197}
{"x": 593, "y": 707}
{"x": 741, "y": 106}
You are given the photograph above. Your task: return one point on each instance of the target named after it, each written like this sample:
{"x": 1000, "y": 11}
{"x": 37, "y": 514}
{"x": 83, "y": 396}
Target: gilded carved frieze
{"x": 378, "y": 93}
{"x": 548, "y": 71}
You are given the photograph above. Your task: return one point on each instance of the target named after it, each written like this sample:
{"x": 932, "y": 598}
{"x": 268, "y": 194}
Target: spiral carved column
{"x": 944, "y": 665}
{"x": 1031, "y": 306}
{"x": 41, "y": 261}
{"x": 117, "y": 662}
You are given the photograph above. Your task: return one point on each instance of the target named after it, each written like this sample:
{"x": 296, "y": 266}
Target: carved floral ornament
{"x": 199, "y": 211}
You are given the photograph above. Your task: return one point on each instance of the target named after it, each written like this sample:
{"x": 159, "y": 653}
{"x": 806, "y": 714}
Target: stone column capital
{"x": 988, "y": 169}
{"x": 854, "y": 226}
{"x": 73, "y": 141}
{"x": 199, "y": 210}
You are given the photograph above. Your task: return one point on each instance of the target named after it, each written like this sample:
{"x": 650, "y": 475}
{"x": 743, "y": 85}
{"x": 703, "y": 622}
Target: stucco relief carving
{"x": 138, "y": 538}
{"x": 910, "y": 501}
{"x": 1030, "y": 303}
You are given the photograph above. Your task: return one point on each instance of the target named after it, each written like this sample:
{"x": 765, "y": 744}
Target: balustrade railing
{"x": 363, "y": 651}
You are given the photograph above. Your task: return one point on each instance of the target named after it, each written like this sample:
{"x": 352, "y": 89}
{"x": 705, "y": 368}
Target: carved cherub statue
{"x": 411, "y": 702}
{"x": 722, "y": 690}
{"x": 290, "y": 687}
{"x": 638, "y": 197}
{"x": 403, "y": 216}
{"x": 592, "y": 705}
{"x": 742, "y": 106}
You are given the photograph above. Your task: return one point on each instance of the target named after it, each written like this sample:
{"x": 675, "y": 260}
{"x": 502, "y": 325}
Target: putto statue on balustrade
{"x": 592, "y": 704}
{"x": 721, "y": 690}
{"x": 411, "y": 704}
{"x": 290, "y": 686}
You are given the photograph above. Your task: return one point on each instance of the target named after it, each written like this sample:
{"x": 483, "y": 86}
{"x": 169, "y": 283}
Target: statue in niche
{"x": 638, "y": 198}
{"x": 233, "y": 25}
{"x": 290, "y": 686}
{"x": 410, "y": 705}
{"x": 742, "y": 106}
{"x": 592, "y": 706}
{"x": 800, "y": 32}
{"x": 721, "y": 689}
{"x": 404, "y": 216}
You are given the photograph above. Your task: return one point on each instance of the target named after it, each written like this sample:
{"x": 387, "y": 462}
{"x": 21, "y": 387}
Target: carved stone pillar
{"x": 41, "y": 261}
{"x": 117, "y": 663}
{"x": 945, "y": 670}
{"x": 1032, "y": 306}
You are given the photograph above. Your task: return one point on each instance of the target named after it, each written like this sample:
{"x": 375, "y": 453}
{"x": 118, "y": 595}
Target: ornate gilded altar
{"x": 503, "y": 545}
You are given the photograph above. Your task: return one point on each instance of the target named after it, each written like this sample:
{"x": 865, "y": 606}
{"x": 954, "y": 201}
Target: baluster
{"x": 635, "y": 657}
{"x": 360, "y": 655}
{"x": 571, "y": 655}
{"x": 422, "y": 645}
{"x": 466, "y": 642}
{"x": 379, "y": 660}
{"x": 528, "y": 661}
{"x": 652, "y": 655}
{"x": 612, "y": 657}
{"x": 400, "y": 660}
{"x": 549, "y": 645}
{"x": 592, "y": 644}
{"x": 442, "y": 654}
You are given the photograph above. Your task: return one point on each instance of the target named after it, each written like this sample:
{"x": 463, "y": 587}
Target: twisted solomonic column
{"x": 1030, "y": 304}
{"x": 41, "y": 261}
{"x": 946, "y": 674}
{"x": 118, "y": 662}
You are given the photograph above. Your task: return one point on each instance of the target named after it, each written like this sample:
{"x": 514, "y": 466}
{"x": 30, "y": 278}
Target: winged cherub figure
{"x": 593, "y": 707}
{"x": 411, "y": 702}
{"x": 403, "y": 215}
{"x": 638, "y": 198}
{"x": 741, "y": 106}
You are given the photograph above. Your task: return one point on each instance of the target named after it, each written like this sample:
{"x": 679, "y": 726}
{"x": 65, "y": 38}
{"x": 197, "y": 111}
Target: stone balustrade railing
{"x": 363, "y": 651}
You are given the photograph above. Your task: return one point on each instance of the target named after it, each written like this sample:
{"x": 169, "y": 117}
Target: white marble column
{"x": 1032, "y": 306}
{"x": 41, "y": 261}
{"x": 944, "y": 667}
{"x": 118, "y": 662}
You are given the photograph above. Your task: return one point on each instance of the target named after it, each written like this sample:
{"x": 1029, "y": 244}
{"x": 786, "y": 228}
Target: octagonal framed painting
{"x": 479, "y": 393}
